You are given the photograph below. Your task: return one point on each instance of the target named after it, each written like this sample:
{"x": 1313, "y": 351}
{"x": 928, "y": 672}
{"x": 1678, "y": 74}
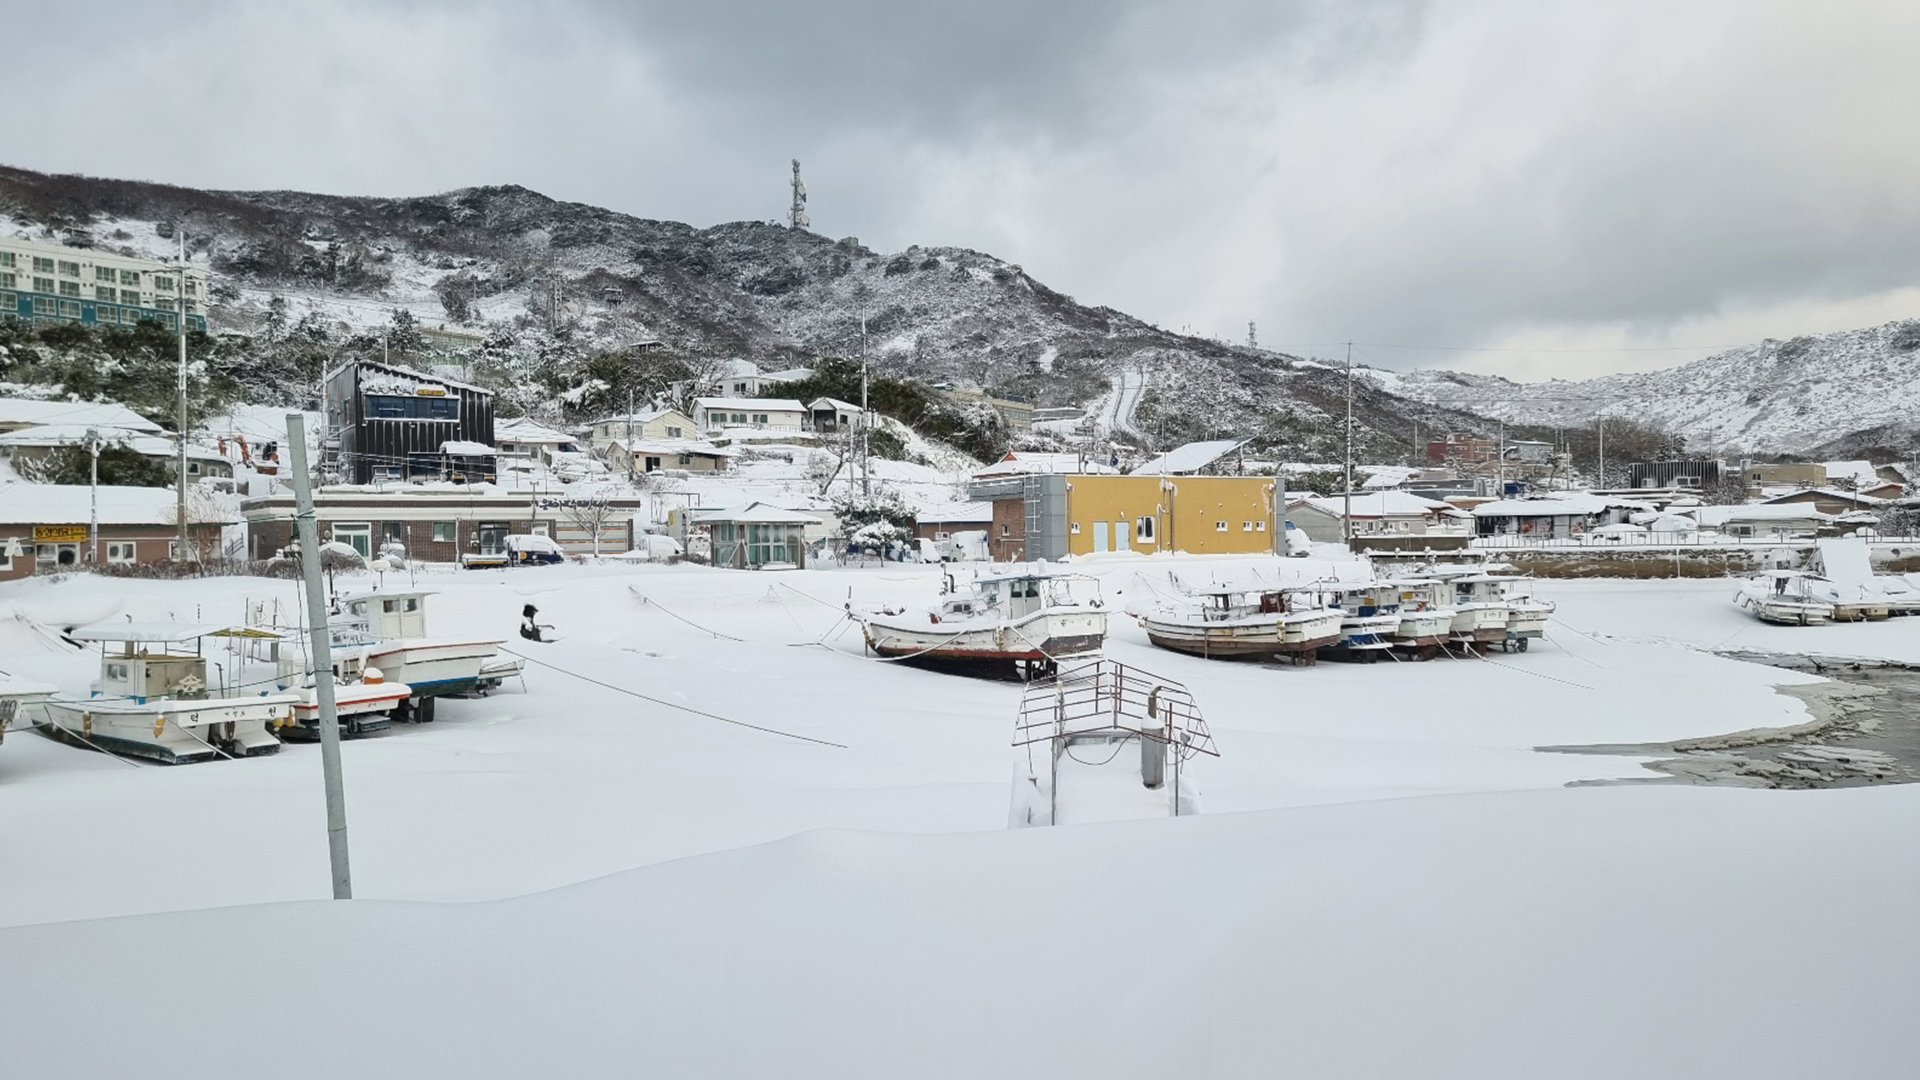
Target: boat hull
{"x": 1424, "y": 629}
{"x": 174, "y": 732}
{"x": 1041, "y": 637}
{"x": 432, "y": 668}
{"x": 1528, "y": 620}
{"x": 1255, "y": 640}
{"x": 362, "y": 709}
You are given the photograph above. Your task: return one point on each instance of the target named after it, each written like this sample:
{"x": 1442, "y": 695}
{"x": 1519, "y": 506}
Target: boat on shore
{"x": 153, "y": 699}
{"x": 363, "y": 698}
{"x": 1478, "y": 618}
{"x": 1371, "y": 620}
{"x": 21, "y": 703}
{"x": 1246, "y": 623}
{"x": 1426, "y": 618}
{"x": 388, "y": 630}
{"x": 1026, "y": 620}
{"x": 1785, "y": 598}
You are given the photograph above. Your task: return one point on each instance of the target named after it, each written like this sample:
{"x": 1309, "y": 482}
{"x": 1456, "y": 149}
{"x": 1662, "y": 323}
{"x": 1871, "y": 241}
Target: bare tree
{"x": 594, "y": 513}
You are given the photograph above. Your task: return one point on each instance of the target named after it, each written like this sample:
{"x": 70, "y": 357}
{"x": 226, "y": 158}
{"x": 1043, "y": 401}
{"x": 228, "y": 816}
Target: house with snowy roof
{"x": 1827, "y": 500}
{"x": 388, "y": 422}
{"x": 656, "y": 423}
{"x": 1376, "y": 513}
{"x": 1559, "y": 517}
{"x": 27, "y": 447}
{"x": 47, "y": 528}
{"x": 1777, "y": 521}
{"x": 713, "y": 415}
{"x": 19, "y": 413}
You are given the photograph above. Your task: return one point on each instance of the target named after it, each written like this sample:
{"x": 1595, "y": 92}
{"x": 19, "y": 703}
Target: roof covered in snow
{"x": 759, "y": 513}
{"x": 1377, "y": 504}
{"x": 958, "y": 513}
{"x": 1190, "y": 458}
{"x": 1715, "y": 516}
{"x": 1025, "y": 462}
{"x": 673, "y": 446}
{"x": 832, "y": 403}
{"x": 22, "y": 503}
{"x": 463, "y": 448}
{"x": 15, "y": 411}
{"x": 527, "y": 431}
{"x": 1827, "y": 493}
{"x": 750, "y": 404}
{"x": 142, "y": 442}
{"x": 1571, "y": 504}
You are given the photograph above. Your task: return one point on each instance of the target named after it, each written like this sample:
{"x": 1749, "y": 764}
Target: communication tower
{"x": 797, "y": 213}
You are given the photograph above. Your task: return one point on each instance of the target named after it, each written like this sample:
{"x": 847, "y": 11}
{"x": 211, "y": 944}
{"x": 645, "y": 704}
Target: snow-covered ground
{"x": 1387, "y": 880}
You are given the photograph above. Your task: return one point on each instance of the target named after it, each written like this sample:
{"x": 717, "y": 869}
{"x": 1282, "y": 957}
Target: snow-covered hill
{"x": 1839, "y": 391}
{"x": 556, "y": 282}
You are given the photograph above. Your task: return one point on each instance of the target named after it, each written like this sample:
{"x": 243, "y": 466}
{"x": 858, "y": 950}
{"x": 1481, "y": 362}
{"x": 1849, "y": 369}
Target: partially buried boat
{"x": 153, "y": 699}
{"x": 1246, "y": 624}
{"x": 1785, "y": 598}
{"x": 1029, "y": 621}
{"x": 388, "y": 630}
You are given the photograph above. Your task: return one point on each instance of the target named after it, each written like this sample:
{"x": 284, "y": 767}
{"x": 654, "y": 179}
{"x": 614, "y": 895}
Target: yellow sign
{"x": 59, "y": 534}
{"x": 429, "y": 391}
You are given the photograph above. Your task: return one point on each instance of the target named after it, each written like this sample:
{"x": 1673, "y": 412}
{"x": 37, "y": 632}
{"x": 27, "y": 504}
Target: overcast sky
{"x": 1567, "y": 188}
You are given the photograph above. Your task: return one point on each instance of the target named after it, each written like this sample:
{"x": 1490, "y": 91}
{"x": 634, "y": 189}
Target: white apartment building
{"x": 52, "y": 283}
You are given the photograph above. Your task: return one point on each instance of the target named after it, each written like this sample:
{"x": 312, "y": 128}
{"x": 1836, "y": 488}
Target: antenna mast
{"x": 1253, "y": 341}
{"x": 797, "y": 213}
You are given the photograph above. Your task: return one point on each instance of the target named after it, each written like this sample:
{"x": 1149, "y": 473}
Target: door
{"x": 493, "y": 538}
{"x": 1099, "y": 536}
{"x": 1122, "y": 536}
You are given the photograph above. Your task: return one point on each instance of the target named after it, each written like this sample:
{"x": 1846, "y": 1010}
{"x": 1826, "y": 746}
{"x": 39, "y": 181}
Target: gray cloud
{"x": 1496, "y": 173}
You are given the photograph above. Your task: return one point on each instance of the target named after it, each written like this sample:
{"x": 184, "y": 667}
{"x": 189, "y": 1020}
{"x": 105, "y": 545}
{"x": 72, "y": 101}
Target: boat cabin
{"x": 152, "y": 660}
{"x": 384, "y": 616}
{"x": 1018, "y": 595}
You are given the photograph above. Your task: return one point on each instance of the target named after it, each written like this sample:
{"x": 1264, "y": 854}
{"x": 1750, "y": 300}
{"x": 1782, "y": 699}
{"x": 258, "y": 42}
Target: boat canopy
{"x": 141, "y": 631}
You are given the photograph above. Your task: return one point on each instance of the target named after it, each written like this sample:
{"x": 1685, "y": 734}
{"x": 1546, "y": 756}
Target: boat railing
{"x": 1107, "y": 698}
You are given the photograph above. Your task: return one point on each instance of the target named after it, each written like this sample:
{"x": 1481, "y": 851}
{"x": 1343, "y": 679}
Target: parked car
{"x": 527, "y": 549}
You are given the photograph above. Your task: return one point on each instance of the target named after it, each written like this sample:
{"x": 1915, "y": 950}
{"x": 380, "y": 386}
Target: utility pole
{"x": 319, "y": 649}
{"x": 866, "y": 419}
{"x": 1346, "y": 513}
{"x": 1600, "y": 476}
{"x": 180, "y": 317}
{"x": 93, "y": 496}
{"x": 629, "y": 436}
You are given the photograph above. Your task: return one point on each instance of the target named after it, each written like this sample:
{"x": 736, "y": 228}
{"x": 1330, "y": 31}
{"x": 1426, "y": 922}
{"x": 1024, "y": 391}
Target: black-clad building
{"x": 387, "y": 422}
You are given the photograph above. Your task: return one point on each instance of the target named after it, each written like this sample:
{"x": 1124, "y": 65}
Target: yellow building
{"x": 1211, "y": 515}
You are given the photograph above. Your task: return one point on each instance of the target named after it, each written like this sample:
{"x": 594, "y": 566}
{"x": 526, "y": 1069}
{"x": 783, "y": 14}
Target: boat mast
{"x": 1346, "y": 513}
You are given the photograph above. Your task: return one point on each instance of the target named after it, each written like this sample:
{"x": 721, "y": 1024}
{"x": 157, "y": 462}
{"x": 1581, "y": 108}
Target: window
{"x": 759, "y": 418}
{"x": 43, "y": 284}
{"x": 70, "y": 308}
{"x": 739, "y": 418}
{"x": 357, "y": 535}
{"x": 193, "y": 288}
{"x": 685, "y": 460}
{"x": 120, "y": 551}
{"x": 1246, "y": 526}
{"x": 163, "y": 283}
{"x": 55, "y": 555}
{"x": 405, "y": 407}
{"x": 9, "y": 281}
{"x": 130, "y": 277}
{"x": 1074, "y": 528}
{"x": 6, "y": 258}
{"x": 393, "y": 532}
{"x": 1219, "y": 526}
{"x": 673, "y": 433}
{"x": 1260, "y": 526}
{"x": 443, "y": 532}
{"x": 938, "y": 535}
{"x": 69, "y": 269}
{"x": 129, "y": 297}
{"x": 103, "y": 273}
{"x": 1005, "y": 529}
{"x": 164, "y": 320}
{"x": 45, "y": 305}
{"x": 1143, "y": 529}
{"x": 165, "y": 303}
{"x": 106, "y": 314}
{"x": 193, "y": 468}
{"x": 8, "y": 304}
{"x": 69, "y": 288}
{"x": 103, "y": 293}
{"x": 42, "y": 266}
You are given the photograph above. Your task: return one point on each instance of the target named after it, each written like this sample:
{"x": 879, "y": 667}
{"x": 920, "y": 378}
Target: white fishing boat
{"x": 1030, "y": 620}
{"x": 1244, "y": 623}
{"x": 389, "y": 630}
{"x": 498, "y": 670}
{"x": 364, "y": 699}
{"x": 1527, "y": 616}
{"x": 154, "y": 700}
{"x": 1371, "y": 619}
{"x": 1784, "y": 597}
{"x": 1426, "y": 616}
{"x": 1477, "y": 619}
{"x": 1847, "y": 581}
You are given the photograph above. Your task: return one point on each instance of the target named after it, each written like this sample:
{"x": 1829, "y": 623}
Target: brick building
{"x": 440, "y": 523}
{"x": 44, "y": 527}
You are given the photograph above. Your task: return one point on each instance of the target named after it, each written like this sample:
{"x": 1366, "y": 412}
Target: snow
{"x": 1389, "y": 879}
{"x": 1576, "y": 504}
{"x": 1189, "y": 458}
{"x": 30, "y": 412}
{"x": 1714, "y": 517}
{"x": 1376, "y": 504}
{"x": 749, "y": 404}
{"x": 71, "y": 504}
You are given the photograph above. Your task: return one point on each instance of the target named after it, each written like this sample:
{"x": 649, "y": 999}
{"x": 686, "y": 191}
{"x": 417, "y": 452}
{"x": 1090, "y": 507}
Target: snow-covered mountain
{"x": 560, "y": 282}
{"x": 1837, "y": 392}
